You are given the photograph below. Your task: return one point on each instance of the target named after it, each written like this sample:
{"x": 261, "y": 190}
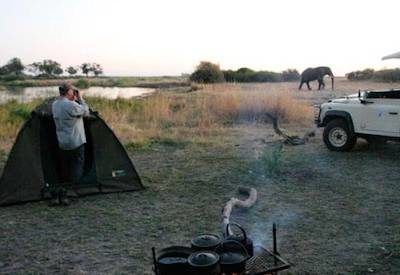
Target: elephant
{"x": 318, "y": 73}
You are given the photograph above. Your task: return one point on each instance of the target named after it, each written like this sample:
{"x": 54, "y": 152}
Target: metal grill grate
{"x": 264, "y": 262}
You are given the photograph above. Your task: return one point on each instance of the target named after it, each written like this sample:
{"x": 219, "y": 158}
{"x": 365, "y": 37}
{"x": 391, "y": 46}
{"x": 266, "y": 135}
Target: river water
{"x": 29, "y": 93}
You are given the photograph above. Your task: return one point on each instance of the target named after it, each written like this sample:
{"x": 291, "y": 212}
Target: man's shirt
{"x": 67, "y": 116}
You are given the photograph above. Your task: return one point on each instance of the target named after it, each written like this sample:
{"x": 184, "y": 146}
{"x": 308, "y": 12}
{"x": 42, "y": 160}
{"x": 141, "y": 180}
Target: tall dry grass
{"x": 12, "y": 116}
{"x": 179, "y": 116}
{"x": 250, "y": 102}
{"x": 203, "y": 113}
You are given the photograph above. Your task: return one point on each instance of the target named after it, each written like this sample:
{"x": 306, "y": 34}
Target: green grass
{"x": 272, "y": 158}
{"x": 333, "y": 211}
{"x": 83, "y": 82}
{"x": 138, "y": 145}
{"x": 12, "y": 116}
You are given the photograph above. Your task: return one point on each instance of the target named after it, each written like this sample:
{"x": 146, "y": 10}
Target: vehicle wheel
{"x": 338, "y": 136}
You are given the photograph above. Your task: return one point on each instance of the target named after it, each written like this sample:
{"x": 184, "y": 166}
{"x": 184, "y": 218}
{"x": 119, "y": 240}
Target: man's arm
{"x": 79, "y": 109}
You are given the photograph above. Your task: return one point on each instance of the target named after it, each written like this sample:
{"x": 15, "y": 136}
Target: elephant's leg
{"x": 321, "y": 84}
{"x": 308, "y": 85}
{"x": 301, "y": 85}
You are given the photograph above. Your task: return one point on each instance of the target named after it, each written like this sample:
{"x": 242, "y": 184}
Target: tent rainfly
{"x": 35, "y": 165}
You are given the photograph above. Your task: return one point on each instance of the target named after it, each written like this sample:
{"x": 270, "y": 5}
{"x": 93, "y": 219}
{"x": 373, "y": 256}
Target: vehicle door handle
{"x": 393, "y": 113}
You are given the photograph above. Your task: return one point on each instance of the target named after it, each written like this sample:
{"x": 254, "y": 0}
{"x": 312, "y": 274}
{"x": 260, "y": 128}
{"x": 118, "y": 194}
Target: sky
{"x": 159, "y": 37}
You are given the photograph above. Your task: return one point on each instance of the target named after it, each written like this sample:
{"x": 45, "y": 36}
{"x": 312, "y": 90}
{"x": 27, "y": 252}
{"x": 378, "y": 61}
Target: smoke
{"x": 261, "y": 231}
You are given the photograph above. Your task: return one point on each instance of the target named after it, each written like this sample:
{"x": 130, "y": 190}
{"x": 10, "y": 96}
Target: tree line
{"x": 48, "y": 68}
{"x": 207, "y": 72}
{"x": 386, "y": 75}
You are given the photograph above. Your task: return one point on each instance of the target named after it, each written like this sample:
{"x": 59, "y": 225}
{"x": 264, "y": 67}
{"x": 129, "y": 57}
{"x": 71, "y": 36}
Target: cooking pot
{"x": 241, "y": 238}
{"x": 173, "y": 260}
{"x": 233, "y": 257}
{"x": 205, "y": 242}
{"x": 204, "y": 263}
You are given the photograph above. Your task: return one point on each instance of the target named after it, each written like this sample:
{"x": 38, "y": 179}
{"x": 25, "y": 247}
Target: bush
{"x": 207, "y": 72}
{"x": 266, "y": 76}
{"x": 248, "y": 75}
{"x": 290, "y": 75}
{"x": 12, "y": 77}
{"x": 229, "y": 75}
{"x": 360, "y": 75}
{"x": 117, "y": 82}
{"x": 272, "y": 159}
{"x": 390, "y": 75}
{"x": 82, "y": 83}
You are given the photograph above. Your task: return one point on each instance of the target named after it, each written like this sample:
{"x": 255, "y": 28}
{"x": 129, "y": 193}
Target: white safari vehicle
{"x": 372, "y": 115}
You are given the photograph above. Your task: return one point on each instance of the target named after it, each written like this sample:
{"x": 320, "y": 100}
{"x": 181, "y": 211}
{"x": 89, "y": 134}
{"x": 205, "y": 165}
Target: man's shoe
{"x": 63, "y": 198}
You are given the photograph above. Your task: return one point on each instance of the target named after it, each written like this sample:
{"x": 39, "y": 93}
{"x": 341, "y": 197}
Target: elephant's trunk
{"x": 332, "y": 82}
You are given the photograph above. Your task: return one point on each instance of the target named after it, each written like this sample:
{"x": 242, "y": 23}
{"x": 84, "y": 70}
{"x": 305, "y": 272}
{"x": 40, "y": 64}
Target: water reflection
{"x": 30, "y": 93}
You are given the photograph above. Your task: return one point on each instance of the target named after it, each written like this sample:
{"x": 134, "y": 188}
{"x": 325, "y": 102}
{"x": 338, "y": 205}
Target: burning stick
{"x": 293, "y": 140}
{"x": 226, "y": 212}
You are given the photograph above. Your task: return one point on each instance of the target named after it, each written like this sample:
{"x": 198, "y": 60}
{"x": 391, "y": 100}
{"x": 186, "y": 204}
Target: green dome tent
{"x": 35, "y": 166}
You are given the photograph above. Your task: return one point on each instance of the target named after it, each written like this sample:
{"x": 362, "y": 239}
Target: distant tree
{"x": 50, "y": 67}
{"x": 246, "y": 75}
{"x": 290, "y": 75}
{"x": 86, "y": 68}
{"x": 14, "y": 66}
{"x": 207, "y": 72}
{"x": 362, "y": 75}
{"x": 47, "y": 67}
{"x": 3, "y": 70}
{"x": 71, "y": 70}
{"x": 58, "y": 71}
{"x": 96, "y": 69}
{"x": 34, "y": 67}
{"x": 229, "y": 75}
{"x": 245, "y": 70}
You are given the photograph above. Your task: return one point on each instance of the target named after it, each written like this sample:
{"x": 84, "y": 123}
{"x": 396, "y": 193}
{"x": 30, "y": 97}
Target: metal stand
{"x": 265, "y": 261}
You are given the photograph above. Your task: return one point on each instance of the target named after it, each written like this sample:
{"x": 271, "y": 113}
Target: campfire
{"x": 231, "y": 254}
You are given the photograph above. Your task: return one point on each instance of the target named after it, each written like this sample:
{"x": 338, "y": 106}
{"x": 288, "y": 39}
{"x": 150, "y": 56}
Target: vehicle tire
{"x": 338, "y": 136}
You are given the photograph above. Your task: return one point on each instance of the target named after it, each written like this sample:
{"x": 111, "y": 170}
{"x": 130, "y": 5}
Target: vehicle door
{"x": 381, "y": 117}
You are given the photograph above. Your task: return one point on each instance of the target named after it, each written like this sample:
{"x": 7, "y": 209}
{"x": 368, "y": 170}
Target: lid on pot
{"x": 175, "y": 251}
{"x": 203, "y": 259}
{"x": 232, "y": 252}
{"x": 206, "y": 240}
{"x": 172, "y": 260}
{"x": 232, "y": 258}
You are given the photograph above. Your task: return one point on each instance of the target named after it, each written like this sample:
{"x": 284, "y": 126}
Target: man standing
{"x": 68, "y": 112}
